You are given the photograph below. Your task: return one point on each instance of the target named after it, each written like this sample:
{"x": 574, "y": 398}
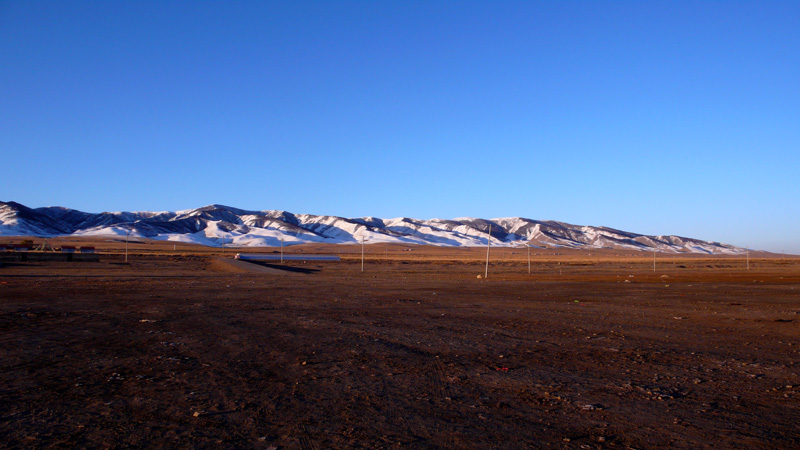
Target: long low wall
{"x": 47, "y": 256}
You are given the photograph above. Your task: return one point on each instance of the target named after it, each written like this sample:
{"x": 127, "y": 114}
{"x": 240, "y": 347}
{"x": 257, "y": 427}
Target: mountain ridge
{"x": 218, "y": 225}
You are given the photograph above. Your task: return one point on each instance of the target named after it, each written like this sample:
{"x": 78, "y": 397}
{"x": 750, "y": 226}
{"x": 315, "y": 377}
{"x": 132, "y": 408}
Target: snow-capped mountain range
{"x": 218, "y": 225}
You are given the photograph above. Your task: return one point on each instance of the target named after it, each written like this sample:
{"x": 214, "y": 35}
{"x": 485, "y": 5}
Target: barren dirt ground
{"x": 191, "y": 351}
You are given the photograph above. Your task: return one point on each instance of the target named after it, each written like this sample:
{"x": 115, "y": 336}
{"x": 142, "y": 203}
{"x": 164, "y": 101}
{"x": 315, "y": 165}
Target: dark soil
{"x": 191, "y": 352}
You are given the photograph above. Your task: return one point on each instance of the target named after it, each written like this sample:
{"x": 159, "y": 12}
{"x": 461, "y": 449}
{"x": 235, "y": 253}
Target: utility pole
{"x": 127, "y": 235}
{"x": 654, "y": 259}
{"x": 488, "y": 245}
{"x": 362, "y": 252}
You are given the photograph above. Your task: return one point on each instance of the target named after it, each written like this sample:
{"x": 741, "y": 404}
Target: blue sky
{"x": 657, "y": 117}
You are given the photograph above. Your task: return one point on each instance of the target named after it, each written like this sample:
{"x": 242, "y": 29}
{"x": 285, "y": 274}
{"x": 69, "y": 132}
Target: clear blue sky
{"x": 656, "y": 117}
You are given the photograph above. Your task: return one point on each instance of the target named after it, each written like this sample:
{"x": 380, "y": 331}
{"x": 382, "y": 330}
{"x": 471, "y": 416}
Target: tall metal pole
{"x": 529, "y": 259}
{"x": 488, "y": 245}
{"x": 654, "y": 259}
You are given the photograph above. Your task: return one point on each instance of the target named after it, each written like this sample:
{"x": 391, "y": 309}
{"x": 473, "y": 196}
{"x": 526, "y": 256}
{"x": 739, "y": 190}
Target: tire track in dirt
{"x": 305, "y": 440}
{"x": 415, "y": 430}
{"x": 441, "y": 388}
{"x": 438, "y": 392}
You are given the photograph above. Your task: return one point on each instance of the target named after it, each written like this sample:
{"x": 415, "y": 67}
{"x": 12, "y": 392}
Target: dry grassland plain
{"x": 181, "y": 347}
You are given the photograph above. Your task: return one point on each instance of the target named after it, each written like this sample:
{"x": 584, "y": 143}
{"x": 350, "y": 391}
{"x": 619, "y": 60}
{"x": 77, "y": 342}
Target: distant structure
{"x": 44, "y": 247}
{"x": 24, "y": 253}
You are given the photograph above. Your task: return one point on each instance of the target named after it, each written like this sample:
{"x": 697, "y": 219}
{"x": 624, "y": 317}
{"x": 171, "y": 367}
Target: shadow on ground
{"x": 283, "y": 268}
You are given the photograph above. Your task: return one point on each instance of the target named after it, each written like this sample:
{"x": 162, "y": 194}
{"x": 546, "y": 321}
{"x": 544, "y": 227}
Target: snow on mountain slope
{"x": 218, "y": 225}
